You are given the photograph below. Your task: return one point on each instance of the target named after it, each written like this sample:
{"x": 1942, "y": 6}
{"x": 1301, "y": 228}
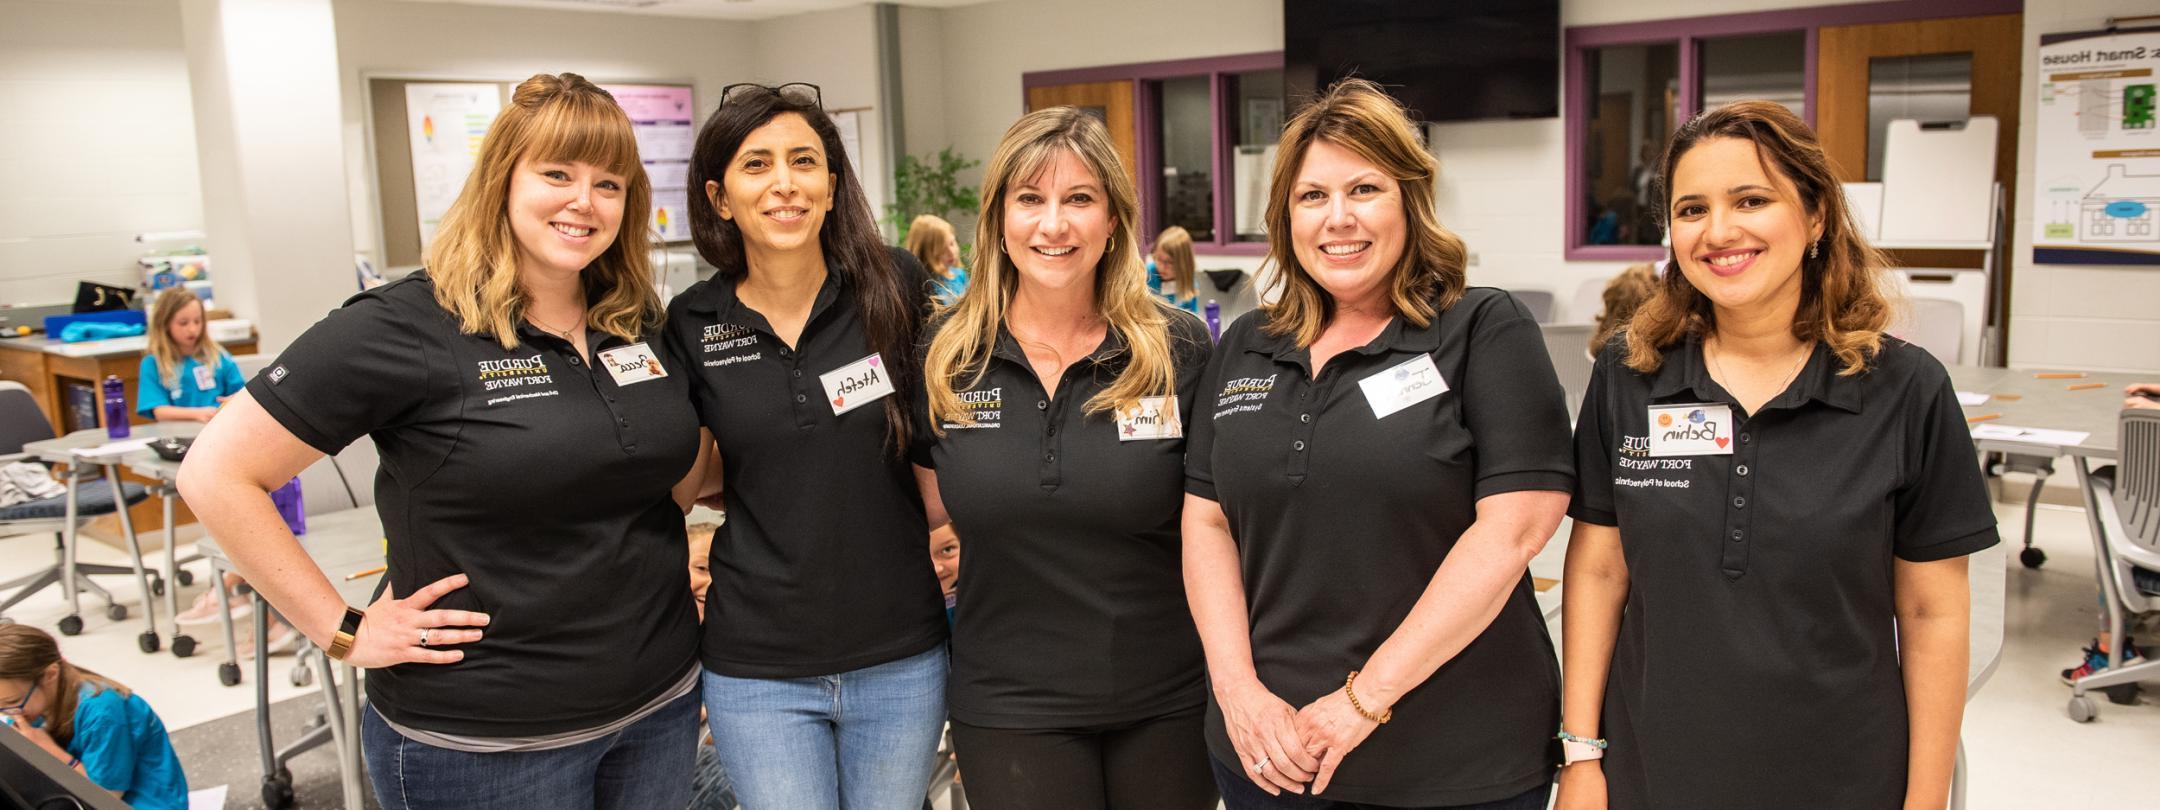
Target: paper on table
{"x": 2013, "y": 433}
{"x": 212, "y": 798}
{"x": 1969, "y": 398}
{"x": 120, "y": 447}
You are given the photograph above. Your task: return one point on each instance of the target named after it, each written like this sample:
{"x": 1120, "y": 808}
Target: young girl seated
{"x": 185, "y": 374}
{"x": 87, "y": 721}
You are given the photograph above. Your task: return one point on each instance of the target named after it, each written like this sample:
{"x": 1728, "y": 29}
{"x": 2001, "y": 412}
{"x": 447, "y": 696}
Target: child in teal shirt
{"x": 88, "y": 722}
{"x": 185, "y": 374}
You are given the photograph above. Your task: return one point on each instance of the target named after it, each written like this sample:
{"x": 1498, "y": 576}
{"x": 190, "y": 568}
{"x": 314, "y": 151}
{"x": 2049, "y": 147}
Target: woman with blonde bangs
{"x": 1384, "y": 451}
{"x": 1767, "y": 597}
{"x": 1058, "y": 393}
{"x": 930, "y": 239}
{"x": 538, "y": 451}
{"x": 1174, "y": 267}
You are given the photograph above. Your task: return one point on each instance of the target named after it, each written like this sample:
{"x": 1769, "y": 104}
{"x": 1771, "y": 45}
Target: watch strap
{"x": 341, "y": 644}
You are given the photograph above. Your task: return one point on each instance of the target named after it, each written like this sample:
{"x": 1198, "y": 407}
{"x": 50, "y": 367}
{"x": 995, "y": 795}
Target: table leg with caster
{"x": 149, "y": 639}
{"x": 183, "y": 645}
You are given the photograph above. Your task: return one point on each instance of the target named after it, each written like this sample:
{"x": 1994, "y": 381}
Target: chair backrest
{"x": 1539, "y": 302}
{"x": 253, "y": 364}
{"x": 1588, "y": 301}
{"x": 21, "y": 420}
{"x": 2137, "y": 477}
{"x": 1569, "y": 346}
{"x": 1938, "y": 326}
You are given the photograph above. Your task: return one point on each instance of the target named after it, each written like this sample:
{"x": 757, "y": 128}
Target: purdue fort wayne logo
{"x": 513, "y": 372}
{"x": 984, "y": 408}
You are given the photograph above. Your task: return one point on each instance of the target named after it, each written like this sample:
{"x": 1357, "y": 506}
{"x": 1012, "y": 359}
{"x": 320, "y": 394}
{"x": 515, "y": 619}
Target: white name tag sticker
{"x": 1153, "y": 418}
{"x": 1406, "y": 384}
{"x": 1691, "y": 430}
{"x": 632, "y": 364}
{"x": 205, "y": 378}
{"x": 856, "y": 384}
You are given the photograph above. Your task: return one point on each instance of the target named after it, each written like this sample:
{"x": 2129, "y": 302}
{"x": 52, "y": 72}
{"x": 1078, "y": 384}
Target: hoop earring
{"x": 1111, "y": 246}
{"x": 1001, "y": 246}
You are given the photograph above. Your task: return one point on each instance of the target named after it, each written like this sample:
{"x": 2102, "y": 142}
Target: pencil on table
{"x": 2085, "y": 386}
{"x": 2059, "y": 375}
{"x": 1982, "y": 418}
{"x": 366, "y": 573}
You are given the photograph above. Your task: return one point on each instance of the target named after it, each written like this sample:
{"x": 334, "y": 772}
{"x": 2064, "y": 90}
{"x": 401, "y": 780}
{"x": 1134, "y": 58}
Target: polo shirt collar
{"x": 1008, "y": 347}
{"x": 1400, "y": 335}
{"x": 719, "y": 298}
{"x": 1818, "y": 381}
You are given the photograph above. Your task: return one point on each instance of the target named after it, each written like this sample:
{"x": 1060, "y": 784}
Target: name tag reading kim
{"x": 634, "y": 363}
{"x": 856, "y": 384}
{"x": 1153, "y": 418}
{"x": 205, "y": 378}
{"x": 1406, "y": 384}
{"x": 1690, "y": 430}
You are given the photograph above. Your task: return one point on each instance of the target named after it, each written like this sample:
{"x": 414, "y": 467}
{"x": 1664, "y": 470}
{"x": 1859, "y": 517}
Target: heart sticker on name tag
{"x": 1691, "y": 430}
{"x": 857, "y": 384}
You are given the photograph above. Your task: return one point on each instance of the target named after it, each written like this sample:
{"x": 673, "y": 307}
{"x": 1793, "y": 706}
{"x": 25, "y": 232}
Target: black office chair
{"x": 22, "y": 422}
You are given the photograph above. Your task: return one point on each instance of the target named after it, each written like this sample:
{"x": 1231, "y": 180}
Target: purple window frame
{"x": 1688, "y": 33}
{"x": 1143, "y": 75}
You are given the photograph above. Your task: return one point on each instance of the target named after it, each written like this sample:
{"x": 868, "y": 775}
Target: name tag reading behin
{"x": 856, "y": 384}
{"x": 1153, "y": 418}
{"x": 1407, "y": 384}
{"x": 1691, "y": 430}
{"x": 634, "y": 363}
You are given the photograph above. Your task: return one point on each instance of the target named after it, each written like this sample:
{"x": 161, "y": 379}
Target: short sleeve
{"x": 150, "y": 393}
{"x": 1200, "y": 432}
{"x": 360, "y": 369}
{"x": 230, "y": 381}
{"x": 1190, "y": 350}
{"x": 1942, "y": 503}
{"x": 103, "y": 740}
{"x": 923, "y": 439}
{"x": 1513, "y": 403}
{"x": 1593, "y": 501}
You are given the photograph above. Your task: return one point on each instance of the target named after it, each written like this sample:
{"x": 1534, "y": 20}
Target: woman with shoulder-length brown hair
{"x": 1385, "y": 451}
{"x": 534, "y": 641}
{"x": 1766, "y": 582}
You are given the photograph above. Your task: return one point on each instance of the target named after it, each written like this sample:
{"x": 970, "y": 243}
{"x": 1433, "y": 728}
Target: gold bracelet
{"x": 1380, "y": 719}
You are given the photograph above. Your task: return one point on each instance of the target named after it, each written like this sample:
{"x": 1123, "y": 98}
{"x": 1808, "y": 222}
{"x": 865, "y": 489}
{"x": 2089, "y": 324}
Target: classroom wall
{"x": 99, "y": 142}
{"x": 837, "y": 51}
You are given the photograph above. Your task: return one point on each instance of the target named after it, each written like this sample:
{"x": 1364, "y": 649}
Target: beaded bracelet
{"x": 1380, "y": 718}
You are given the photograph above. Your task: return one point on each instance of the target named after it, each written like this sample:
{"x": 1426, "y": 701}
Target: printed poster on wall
{"x": 446, "y": 123}
{"x": 665, "y": 121}
{"x": 2096, "y": 195}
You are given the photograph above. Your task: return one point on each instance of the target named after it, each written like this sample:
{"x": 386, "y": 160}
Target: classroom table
{"x": 348, "y": 546}
{"x": 80, "y": 449}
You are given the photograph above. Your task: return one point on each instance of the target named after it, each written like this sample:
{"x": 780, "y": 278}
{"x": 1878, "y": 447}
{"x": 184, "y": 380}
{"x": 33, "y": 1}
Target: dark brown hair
{"x": 1842, "y": 299}
{"x": 1624, "y": 294}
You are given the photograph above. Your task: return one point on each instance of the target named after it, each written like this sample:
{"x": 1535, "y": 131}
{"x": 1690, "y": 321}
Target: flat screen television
{"x": 1446, "y": 60}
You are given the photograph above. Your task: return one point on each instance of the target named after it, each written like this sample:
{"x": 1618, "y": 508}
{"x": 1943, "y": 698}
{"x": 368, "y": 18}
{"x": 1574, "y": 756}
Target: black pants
{"x": 1239, "y": 793}
{"x": 1156, "y": 764}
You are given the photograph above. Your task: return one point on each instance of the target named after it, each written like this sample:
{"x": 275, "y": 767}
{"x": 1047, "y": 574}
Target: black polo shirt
{"x": 1342, "y": 517}
{"x": 531, "y": 472}
{"x": 1757, "y": 660}
{"x": 823, "y": 566}
{"x": 1072, "y": 609}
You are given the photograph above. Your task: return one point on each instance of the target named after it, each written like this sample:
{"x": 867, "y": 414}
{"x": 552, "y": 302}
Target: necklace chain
{"x": 1807, "y": 350}
{"x": 563, "y": 333}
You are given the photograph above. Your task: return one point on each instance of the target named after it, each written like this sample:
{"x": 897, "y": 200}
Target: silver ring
{"x": 423, "y": 636}
{"x": 1261, "y": 765}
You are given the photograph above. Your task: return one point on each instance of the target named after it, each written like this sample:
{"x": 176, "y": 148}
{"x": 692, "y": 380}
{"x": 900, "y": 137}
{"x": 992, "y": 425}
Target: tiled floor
{"x": 2022, "y": 750}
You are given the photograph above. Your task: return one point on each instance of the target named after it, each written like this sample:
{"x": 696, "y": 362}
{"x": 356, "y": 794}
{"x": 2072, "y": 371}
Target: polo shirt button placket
{"x": 1736, "y": 551}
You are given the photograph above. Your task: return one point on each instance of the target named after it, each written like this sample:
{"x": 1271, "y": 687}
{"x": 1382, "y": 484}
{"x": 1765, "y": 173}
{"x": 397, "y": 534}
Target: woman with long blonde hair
{"x": 1058, "y": 390}
{"x": 930, "y": 238}
{"x": 1174, "y": 269}
{"x": 534, "y": 642}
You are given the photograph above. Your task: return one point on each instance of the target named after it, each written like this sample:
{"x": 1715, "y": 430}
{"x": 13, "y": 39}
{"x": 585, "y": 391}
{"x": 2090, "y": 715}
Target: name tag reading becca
{"x": 205, "y": 378}
{"x": 1153, "y": 418}
{"x": 856, "y": 384}
{"x": 634, "y": 363}
{"x": 1691, "y": 430}
{"x": 1404, "y": 385}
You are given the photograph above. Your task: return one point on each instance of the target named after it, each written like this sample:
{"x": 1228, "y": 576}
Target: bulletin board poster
{"x": 446, "y": 123}
{"x": 665, "y": 121}
{"x": 2097, "y": 166}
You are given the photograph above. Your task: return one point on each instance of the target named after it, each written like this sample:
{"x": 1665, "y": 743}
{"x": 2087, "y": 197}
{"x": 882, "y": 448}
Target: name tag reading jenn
{"x": 856, "y": 384}
{"x": 1691, "y": 430}
{"x": 1153, "y": 418}
{"x": 1406, "y": 384}
{"x": 634, "y": 363}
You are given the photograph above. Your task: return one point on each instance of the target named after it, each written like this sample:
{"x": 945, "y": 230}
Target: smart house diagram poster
{"x": 2097, "y": 168}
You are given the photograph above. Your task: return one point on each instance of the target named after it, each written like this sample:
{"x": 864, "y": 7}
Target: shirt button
{"x": 1741, "y": 470}
{"x": 1736, "y": 534}
{"x": 801, "y": 398}
{"x": 1049, "y": 456}
{"x": 798, "y": 374}
{"x": 1305, "y": 417}
{"x": 624, "y": 422}
{"x": 1298, "y": 445}
{"x": 1739, "y": 503}
{"x": 1053, "y": 430}
{"x": 611, "y": 399}
{"x": 1042, "y": 405}
{"x": 1745, "y": 437}
{"x": 575, "y": 361}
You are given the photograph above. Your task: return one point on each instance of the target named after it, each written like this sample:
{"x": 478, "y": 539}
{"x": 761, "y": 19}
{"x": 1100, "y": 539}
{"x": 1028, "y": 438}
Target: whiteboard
{"x": 1938, "y": 184}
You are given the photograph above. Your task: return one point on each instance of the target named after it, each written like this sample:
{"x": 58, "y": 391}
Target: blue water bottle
{"x": 1214, "y": 320}
{"x": 116, "y": 413}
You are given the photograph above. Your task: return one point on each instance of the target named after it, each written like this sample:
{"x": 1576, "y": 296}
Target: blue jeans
{"x": 860, "y": 740}
{"x": 647, "y": 765}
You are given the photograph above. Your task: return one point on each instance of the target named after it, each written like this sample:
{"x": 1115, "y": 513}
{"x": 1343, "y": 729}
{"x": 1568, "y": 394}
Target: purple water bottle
{"x": 1214, "y": 320}
{"x": 291, "y": 506}
{"x": 116, "y": 413}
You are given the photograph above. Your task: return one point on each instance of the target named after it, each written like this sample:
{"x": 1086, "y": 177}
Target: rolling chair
{"x": 2128, "y": 516}
{"x": 22, "y": 422}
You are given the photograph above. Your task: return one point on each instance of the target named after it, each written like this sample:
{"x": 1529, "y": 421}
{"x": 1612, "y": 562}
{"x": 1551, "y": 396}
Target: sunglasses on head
{"x": 798, "y": 92}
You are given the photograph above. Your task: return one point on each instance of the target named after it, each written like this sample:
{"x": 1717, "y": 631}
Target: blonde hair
{"x": 926, "y": 239}
{"x": 473, "y": 260}
{"x": 26, "y": 652}
{"x": 162, "y": 348}
{"x": 1175, "y": 244}
{"x": 1624, "y": 294}
{"x": 1357, "y": 115}
{"x": 1842, "y": 299}
{"x": 958, "y": 356}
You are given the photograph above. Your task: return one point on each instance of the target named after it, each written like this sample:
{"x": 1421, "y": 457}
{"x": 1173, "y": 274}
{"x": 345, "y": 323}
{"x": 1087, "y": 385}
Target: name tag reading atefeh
{"x": 1406, "y": 384}
{"x": 205, "y": 378}
{"x": 634, "y": 363}
{"x": 1691, "y": 430}
{"x": 1153, "y": 418}
{"x": 856, "y": 384}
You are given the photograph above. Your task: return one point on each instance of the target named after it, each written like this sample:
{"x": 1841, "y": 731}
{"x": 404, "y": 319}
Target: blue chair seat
{"x": 92, "y": 498}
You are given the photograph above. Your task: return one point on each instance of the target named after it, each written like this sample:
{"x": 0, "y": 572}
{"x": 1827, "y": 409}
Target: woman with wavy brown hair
{"x": 1766, "y": 583}
{"x": 533, "y": 643}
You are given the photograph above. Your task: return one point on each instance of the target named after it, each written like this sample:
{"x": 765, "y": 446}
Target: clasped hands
{"x": 1288, "y": 749}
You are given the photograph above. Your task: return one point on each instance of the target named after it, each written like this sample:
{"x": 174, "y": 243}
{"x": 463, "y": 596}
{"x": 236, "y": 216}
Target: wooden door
{"x": 1111, "y": 101}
